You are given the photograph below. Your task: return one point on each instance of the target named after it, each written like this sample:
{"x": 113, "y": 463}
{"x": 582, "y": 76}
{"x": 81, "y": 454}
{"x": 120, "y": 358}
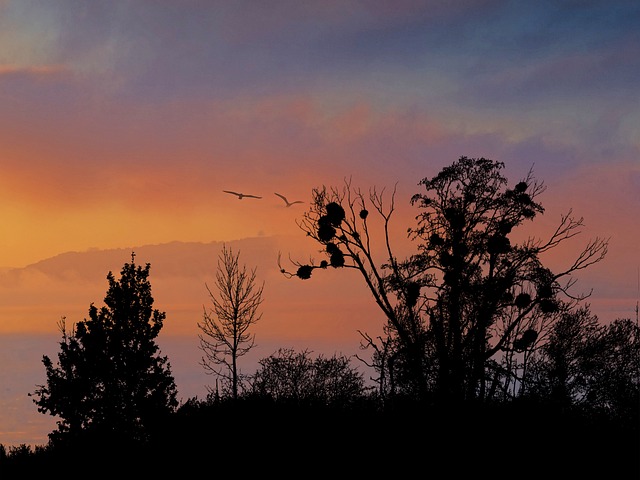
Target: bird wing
{"x": 233, "y": 193}
{"x": 287, "y": 201}
{"x": 282, "y": 197}
{"x": 251, "y": 196}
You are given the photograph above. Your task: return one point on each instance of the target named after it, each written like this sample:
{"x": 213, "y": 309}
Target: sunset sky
{"x": 122, "y": 122}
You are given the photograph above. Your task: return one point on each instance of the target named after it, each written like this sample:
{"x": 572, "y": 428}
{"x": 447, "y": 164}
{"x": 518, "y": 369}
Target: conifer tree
{"x": 110, "y": 381}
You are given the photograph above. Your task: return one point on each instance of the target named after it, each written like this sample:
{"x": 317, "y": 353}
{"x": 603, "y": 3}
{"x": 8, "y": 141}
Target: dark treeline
{"x": 489, "y": 362}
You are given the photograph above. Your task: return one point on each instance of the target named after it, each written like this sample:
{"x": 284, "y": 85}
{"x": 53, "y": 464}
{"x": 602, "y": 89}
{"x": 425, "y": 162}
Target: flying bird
{"x": 240, "y": 195}
{"x": 287, "y": 202}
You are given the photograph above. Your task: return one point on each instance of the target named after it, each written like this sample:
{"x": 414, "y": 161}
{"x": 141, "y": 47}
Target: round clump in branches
{"x": 435, "y": 240}
{"x": 332, "y": 248}
{"x": 523, "y": 300}
{"x": 337, "y": 259}
{"x": 521, "y": 187}
{"x": 505, "y": 227}
{"x": 335, "y": 213}
{"x": 526, "y": 340}
{"x": 304, "y": 272}
{"x": 548, "y": 305}
{"x": 498, "y": 244}
{"x": 545, "y": 290}
{"x": 326, "y": 231}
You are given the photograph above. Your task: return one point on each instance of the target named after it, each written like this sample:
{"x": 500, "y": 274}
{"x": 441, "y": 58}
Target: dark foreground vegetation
{"x": 246, "y": 437}
{"x": 489, "y": 363}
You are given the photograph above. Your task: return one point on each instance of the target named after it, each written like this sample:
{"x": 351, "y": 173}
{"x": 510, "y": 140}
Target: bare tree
{"x": 225, "y": 328}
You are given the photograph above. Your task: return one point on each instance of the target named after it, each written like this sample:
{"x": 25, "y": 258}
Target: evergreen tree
{"x": 110, "y": 381}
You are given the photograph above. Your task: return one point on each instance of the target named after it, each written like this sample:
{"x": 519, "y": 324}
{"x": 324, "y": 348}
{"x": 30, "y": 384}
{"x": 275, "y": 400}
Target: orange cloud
{"x": 31, "y": 70}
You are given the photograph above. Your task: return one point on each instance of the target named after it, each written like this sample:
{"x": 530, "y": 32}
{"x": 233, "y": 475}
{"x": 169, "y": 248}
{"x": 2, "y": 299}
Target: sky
{"x": 123, "y": 122}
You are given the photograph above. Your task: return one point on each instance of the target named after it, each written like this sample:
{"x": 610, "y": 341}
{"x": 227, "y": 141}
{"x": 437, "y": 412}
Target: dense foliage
{"x": 110, "y": 382}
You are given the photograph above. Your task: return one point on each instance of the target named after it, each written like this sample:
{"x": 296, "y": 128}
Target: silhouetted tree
{"x": 110, "y": 380}
{"x": 225, "y": 333}
{"x": 295, "y": 377}
{"x": 463, "y": 297}
{"x": 589, "y": 365}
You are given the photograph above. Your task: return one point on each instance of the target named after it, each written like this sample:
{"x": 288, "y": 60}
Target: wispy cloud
{"x": 33, "y": 70}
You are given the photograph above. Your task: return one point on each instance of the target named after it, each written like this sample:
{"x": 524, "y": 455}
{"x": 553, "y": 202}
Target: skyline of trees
{"x": 472, "y": 319}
